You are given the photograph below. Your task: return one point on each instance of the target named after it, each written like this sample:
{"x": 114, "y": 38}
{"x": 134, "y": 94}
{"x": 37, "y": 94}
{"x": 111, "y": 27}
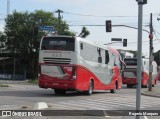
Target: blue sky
{"x": 96, "y": 12}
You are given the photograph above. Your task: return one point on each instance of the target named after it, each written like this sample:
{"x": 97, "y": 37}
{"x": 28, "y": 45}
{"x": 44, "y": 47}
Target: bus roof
{"x": 88, "y": 42}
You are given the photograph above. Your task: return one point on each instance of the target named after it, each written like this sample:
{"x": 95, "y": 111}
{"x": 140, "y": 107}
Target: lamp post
{"x": 139, "y": 55}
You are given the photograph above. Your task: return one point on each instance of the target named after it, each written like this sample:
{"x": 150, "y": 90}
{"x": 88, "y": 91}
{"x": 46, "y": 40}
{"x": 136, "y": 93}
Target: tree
{"x": 19, "y": 33}
{"x": 157, "y": 57}
{"x": 84, "y": 33}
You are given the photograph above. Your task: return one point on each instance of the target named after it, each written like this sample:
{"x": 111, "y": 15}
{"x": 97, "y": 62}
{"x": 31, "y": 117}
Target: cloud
{"x": 1, "y": 26}
{"x": 64, "y": 2}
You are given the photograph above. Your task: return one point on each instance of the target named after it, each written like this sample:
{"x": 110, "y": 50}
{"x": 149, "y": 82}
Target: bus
{"x": 129, "y": 75}
{"x": 69, "y": 63}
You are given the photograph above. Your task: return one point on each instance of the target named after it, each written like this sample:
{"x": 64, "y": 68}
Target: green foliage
{"x": 18, "y": 33}
{"x": 84, "y": 33}
{"x": 4, "y": 85}
{"x": 19, "y": 29}
{"x": 33, "y": 81}
{"x": 157, "y": 57}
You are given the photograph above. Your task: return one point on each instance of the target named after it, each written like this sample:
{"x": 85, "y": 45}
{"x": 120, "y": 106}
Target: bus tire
{"x": 90, "y": 88}
{"x": 115, "y": 88}
{"x": 144, "y": 86}
{"x": 129, "y": 86}
{"x": 59, "y": 91}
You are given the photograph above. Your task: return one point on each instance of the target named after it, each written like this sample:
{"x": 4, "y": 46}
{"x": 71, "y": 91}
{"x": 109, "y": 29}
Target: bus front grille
{"x": 57, "y": 60}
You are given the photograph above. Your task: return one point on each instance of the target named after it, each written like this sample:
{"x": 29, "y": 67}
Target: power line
{"x": 87, "y": 15}
{"x": 156, "y": 31}
{"x": 100, "y": 25}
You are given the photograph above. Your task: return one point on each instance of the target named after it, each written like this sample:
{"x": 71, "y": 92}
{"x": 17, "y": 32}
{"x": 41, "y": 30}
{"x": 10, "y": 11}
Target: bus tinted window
{"x": 130, "y": 61}
{"x": 58, "y": 43}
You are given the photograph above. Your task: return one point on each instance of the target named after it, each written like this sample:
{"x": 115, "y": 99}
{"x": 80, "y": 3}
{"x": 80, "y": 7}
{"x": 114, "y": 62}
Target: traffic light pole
{"x": 139, "y": 56}
{"x": 130, "y": 27}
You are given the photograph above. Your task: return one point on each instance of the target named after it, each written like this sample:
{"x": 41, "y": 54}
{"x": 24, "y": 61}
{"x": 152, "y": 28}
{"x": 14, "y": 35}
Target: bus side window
{"x": 106, "y": 57}
{"x": 81, "y": 45}
{"x": 99, "y": 53}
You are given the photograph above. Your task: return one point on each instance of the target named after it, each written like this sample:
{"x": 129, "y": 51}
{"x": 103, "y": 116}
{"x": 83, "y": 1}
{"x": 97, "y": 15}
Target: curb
{"x": 40, "y": 105}
{"x": 151, "y": 95}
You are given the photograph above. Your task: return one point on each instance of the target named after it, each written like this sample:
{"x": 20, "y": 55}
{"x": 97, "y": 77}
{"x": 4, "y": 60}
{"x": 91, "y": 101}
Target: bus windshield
{"x": 58, "y": 43}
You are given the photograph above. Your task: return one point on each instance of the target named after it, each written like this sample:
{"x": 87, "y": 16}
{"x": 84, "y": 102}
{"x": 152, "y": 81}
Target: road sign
{"x": 46, "y": 28}
{"x": 116, "y": 39}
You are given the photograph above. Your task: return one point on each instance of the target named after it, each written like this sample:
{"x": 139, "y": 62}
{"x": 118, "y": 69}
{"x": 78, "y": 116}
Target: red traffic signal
{"x": 150, "y": 36}
{"x": 108, "y": 26}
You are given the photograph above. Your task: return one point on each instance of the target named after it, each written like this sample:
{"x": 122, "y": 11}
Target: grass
{"x": 33, "y": 81}
{"x": 4, "y": 85}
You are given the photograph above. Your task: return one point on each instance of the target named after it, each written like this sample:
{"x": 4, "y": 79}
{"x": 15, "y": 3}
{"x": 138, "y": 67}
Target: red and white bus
{"x": 129, "y": 75}
{"x": 69, "y": 63}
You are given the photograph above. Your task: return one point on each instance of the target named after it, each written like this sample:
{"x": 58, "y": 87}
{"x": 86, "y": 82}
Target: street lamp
{"x": 139, "y": 55}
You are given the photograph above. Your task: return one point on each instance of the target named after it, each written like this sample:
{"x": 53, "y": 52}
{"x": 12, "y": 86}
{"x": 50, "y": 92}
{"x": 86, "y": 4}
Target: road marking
{"x": 109, "y": 103}
{"x": 145, "y": 117}
{"x": 67, "y": 107}
{"x": 7, "y": 107}
{"x": 92, "y": 106}
{"x": 107, "y": 116}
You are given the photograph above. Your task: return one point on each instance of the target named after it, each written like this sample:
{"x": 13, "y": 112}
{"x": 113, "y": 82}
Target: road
{"x": 23, "y": 96}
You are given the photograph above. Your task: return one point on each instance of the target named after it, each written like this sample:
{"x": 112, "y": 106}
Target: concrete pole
{"x": 8, "y": 7}
{"x": 139, "y": 59}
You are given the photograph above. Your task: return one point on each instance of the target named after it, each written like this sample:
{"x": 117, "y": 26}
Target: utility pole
{"x": 150, "y": 55}
{"x": 139, "y": 56}
{"x": 8, "y": 7}
{"x": 59, "y": 20}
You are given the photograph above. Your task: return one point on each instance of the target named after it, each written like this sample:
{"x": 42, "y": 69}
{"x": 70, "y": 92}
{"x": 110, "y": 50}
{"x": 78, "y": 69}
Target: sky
{"x": 79, "y": 13}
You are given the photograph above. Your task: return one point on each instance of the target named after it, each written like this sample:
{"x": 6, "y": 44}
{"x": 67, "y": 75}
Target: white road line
{"x": 67, "y": 107}
{"x": 4, "y": 107}
{"x": 115, "y": 104}
{"x": 108, "y": 102}
{"x": 145, "y": 117}
{"x": 89, "y": 106}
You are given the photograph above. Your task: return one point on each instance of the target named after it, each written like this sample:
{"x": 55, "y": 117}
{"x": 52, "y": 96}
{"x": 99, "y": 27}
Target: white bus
{"x": 129, "y": 76}
{"x": 72, "y": 63}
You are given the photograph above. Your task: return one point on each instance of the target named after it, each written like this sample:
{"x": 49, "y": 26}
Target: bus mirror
{"x": 100, "y": 59}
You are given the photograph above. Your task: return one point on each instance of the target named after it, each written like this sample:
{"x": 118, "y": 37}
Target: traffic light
{"x": 108, "y": 26}
{"x": 142, "y": 1}
{"x": 150, "y": 36}
{"x": 151, "y": 41}
{"x": 35, "y": 31}
{"x": 124, "y": 42}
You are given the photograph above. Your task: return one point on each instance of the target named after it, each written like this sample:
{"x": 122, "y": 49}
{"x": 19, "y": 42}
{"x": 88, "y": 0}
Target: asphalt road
{"x": 23, "y": 96}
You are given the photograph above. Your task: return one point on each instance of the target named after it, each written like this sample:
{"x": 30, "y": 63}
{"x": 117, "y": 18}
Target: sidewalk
{"x": 14, "y": 81}
{"x": 154, "y": 93}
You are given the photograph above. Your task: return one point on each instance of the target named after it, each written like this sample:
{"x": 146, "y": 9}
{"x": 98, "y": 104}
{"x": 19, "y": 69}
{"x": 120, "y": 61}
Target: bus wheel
{"x": 115, "y": 88}
{"x": 59, "y": 91}
{"x": 129, "y": 86}
{"x": 144, "y": 86}
{"x": 90, "y": 90}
